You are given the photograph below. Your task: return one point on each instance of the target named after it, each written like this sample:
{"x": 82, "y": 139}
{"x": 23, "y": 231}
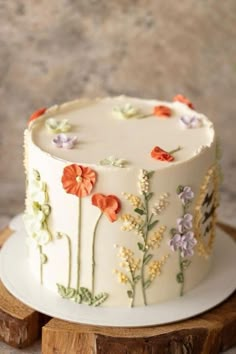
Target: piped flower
{"x": 185, "y": 223}
{"x": 109, "y": 205}
{"x": 162, "y": 111}
{"x": 113, "y": 161}
{"x": 188, "y": 243}
{"x": 37, "y": 114}
{"x": 78, "y": 180}
{"x": 158, "y": 153}
{"x": 161, "y": 204}
{"x": 126, "y": 112}
{"x": 185, "y": 243}
{"x": 64, "y": 141}
{"x": 185, "y": 194}
{"x": 190, "y": 122}
{"x": 57, "y": 126}
{"x": 176, "y": 242}
{"x": 183, "y": 99}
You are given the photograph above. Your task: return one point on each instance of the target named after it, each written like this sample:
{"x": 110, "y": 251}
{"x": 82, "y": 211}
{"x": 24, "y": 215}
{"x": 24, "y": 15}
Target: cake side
{"x": 130, "y": 235}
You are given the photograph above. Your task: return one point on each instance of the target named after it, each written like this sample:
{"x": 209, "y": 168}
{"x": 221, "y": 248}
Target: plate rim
{"x": 152, "y": 315}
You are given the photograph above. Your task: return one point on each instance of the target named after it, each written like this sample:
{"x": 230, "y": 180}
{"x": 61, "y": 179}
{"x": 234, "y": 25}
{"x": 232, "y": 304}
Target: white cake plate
{"x": 17, "y": 278}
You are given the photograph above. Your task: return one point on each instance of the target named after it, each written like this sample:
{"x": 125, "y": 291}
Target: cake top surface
{"x": 122, "y": 128}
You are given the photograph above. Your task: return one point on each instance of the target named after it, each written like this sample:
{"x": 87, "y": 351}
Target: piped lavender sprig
{"x": 64, "y": 141}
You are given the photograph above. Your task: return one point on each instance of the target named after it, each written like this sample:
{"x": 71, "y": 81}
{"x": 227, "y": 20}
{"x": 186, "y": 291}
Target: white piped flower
{"x": 161, "y": 204}
{"x": 126, "y": 112}
{"x": 113, "y": 161}
{"x": 42, "y": 237}
{"x": 33, "y": 222}
{"x": 143, "y": 182}
{"x": 57, "y": 126}
{"x": 37, "y": 191}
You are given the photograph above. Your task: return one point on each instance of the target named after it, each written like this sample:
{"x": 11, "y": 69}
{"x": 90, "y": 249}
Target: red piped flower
{"x": 159, "y": 154}
{"x": 183, "y": 99}
{"x": 37, "y": 114}
{"x": 162, "y": 111}
{"x": 78, "y": 180}
{"x": 109, "y": 205}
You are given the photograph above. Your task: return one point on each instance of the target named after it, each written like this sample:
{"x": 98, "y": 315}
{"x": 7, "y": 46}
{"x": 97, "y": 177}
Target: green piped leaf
{"x": 130, "y": 294}
{"x": 78, "y": 298}
{"x": 186, "y": 263}
{"x": 141, "y": 246}
{"x": 152, "y": 225}
{"x": 61, "y": 290}
{"x": 36, "y": 175}
{"x": 149, "y": 196}
{"x": 150, "y": 174}
{"x": 147, "y": 283}
{"x": 66, "y": 293}
{"x": 137, "y": 278}
{"x": 179, "y": 189}
{"x": 46, "y": 209}
{"x": 70, "y": 293}
{"x": 86, "y": 295}
{"x": 147, "y": 258}
{"x": 43, "y": 258}
{"x": 83, "y": 295}
{"x": 139, "y": 211}
{"x": 180, "y": 278}
{"x": 173, "y": 232}
{"x": 99, "y": 299}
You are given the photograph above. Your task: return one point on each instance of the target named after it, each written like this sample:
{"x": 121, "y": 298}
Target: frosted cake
{"x": 121, "y": 199}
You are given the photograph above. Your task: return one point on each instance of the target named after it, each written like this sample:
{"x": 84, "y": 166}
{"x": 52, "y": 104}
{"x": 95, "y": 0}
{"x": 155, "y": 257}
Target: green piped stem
{"x": 144, "y": 253}
{"x": 69, "y": 260}
{"x": 41, "y": 264}
{"x": 181, "y": 272}
{"x": 175, "y": 150}
{"x": 93, "y": 252}
{"x": 79, "y": 242}
{"x": 132, "y": 286}
{"x": 181, "y": 262}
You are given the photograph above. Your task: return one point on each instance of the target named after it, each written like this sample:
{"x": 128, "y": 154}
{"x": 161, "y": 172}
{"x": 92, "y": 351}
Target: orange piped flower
{"x": 159, "y": 154}
{"x": 37, "y": 114}
{"x": 78, "y": 180}
{"x": 183, "y": 99}
{"x": 162, "y": 111}
{"x": 109, "y": 205}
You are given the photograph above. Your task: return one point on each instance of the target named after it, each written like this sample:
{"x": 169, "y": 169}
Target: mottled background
{"x": 57, "y": 50}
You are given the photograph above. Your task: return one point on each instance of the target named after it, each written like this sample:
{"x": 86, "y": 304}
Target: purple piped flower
{"x": 185, "y": 223}
{"x": 184, "y": 243}
{"x": 64, "y": 141}
{"x": 186, "y": 195}
{"x": 176, "y": 242}
{"x": 190, "y": 122}
{"x": 188, "y": 243}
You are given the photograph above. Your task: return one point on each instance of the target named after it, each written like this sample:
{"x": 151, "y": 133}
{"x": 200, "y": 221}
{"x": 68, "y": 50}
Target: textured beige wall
{"x": 56, "y": 50}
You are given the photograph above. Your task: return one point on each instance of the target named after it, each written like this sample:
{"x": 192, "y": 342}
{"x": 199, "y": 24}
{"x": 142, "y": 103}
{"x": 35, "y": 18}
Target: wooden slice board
{"x": 211, "y": 332}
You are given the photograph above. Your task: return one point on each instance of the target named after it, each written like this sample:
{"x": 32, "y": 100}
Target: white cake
{"x": 121, "y": 199}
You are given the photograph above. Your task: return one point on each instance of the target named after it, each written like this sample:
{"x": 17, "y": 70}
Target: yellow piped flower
{"x": 155, "y": 267}
{"x": 131, "y": 223}
{"x": 122, "y": 278}
{"x": 157, "y": 237}
{"x": 134, "y": 200}
{"x": 128, "y": 261}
